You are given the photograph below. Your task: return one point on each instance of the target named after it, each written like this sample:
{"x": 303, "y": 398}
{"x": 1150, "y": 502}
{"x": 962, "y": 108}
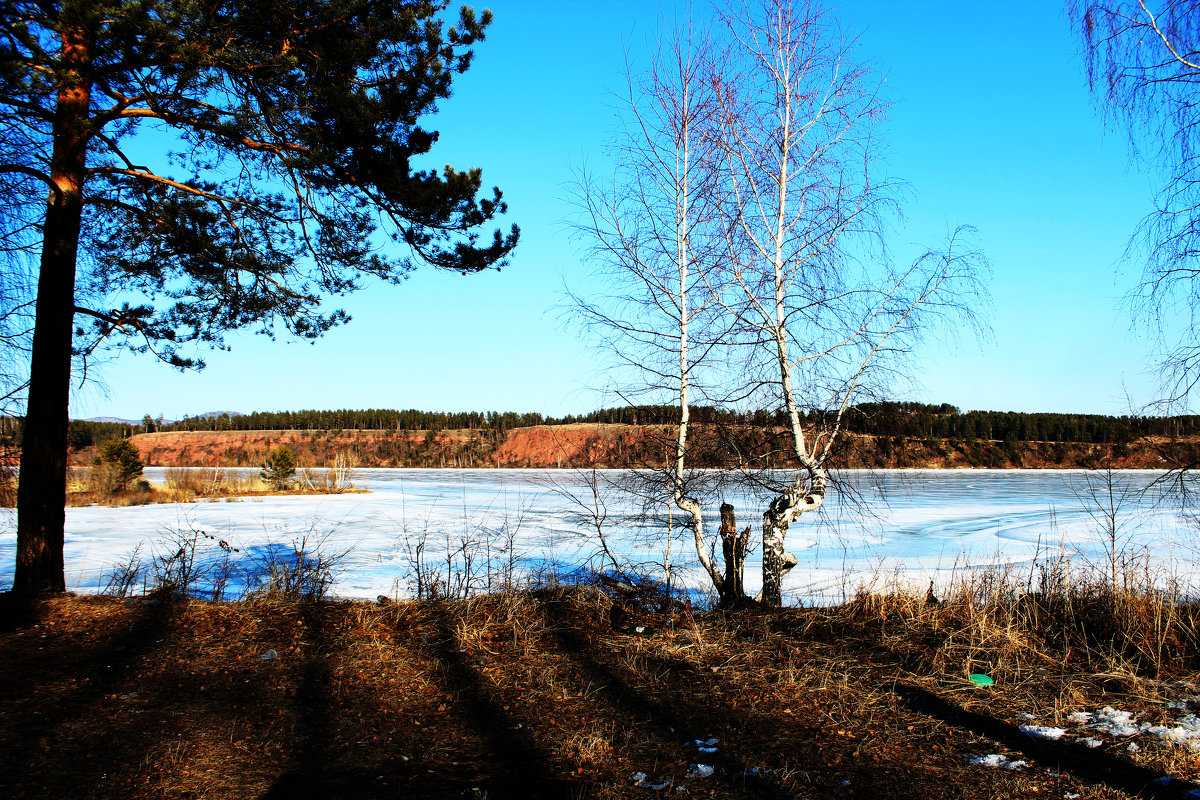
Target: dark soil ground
{"x": 554, "y": 694}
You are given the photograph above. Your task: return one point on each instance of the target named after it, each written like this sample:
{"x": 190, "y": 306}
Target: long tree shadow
{"x": 42, "y": 755}
{"x": 322, "y": 764}
{"x": 521, "y": 764}
{"x": 1085, "y": 764}
{"x": 310, "y": 772}
{"x": 814, "y": 761}
{"x": 673, "y": 723}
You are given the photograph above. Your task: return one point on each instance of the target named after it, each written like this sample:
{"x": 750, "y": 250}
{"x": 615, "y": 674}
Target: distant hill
{"x": 121, "y": 421}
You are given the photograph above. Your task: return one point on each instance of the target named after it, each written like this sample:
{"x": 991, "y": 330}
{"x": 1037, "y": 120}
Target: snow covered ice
{"x": 921, "y": 525}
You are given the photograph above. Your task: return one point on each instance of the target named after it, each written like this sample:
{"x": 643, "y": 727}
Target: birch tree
{"x": 654, "y": 234}
{"x": 1143, "y": 64}
{"x": 806, "y": 276}
{"x": 745, "y": 228}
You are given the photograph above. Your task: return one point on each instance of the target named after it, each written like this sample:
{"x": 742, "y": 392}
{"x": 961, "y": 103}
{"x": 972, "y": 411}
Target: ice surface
{"x": 912, "y": 526}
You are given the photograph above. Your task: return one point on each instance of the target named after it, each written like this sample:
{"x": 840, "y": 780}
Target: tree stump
{"x": 733, "y": 547}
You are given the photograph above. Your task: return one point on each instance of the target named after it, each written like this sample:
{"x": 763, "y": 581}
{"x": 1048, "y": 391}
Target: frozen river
{"x": 480, "y": 526}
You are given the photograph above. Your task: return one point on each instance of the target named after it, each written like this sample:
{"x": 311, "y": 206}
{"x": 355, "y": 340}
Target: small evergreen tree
{"x": 122, "y": 458}
{"x": 279, "y": 468}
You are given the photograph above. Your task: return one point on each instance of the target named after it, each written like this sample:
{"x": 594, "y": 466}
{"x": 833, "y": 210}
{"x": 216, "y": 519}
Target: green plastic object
{"x": 979, "y": 679}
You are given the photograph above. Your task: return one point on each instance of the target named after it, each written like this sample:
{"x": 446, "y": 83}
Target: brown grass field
{"x": 188, "y": 486}
{"x": 554, "y": 693}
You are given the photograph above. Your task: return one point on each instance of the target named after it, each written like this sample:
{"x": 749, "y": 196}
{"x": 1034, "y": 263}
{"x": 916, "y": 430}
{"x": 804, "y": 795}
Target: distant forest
{"x": 892, "y": 419}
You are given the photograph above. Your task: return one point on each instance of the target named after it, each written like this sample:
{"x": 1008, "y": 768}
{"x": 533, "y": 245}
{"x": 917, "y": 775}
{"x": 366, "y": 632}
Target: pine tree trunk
{"x": 42, "y": 488}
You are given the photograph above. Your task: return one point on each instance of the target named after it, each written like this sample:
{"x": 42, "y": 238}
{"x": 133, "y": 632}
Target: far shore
{"x": 617, "y": 446}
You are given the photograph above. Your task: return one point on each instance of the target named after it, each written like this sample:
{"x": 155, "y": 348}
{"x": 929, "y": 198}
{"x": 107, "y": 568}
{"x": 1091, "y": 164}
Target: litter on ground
{"x": 642, "y": 781}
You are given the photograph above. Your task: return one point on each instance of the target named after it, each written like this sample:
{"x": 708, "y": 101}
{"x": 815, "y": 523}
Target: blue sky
{"x": 991, "y": 125}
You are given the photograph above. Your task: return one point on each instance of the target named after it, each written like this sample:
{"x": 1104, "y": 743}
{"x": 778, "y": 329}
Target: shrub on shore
{"x": 279, "y": 468}
{"x": 114, "y": 466}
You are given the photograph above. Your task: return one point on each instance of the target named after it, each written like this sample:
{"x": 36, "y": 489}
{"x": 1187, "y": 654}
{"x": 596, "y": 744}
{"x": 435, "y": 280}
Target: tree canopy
{"x": 1143, "y": 65}
{"x": 291, "y": 128}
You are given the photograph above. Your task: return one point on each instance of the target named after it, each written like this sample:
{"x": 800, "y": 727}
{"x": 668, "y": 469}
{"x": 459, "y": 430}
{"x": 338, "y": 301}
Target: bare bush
{"x": 339, "y": 476}
{"x": 187, "y": 483}
{"x": 125, "y": 574}
{"x": 175, "y": 570}
{"x": 334, "y": 480}
{"x": 303, "y": 571}
{"x": 479, "y": 558}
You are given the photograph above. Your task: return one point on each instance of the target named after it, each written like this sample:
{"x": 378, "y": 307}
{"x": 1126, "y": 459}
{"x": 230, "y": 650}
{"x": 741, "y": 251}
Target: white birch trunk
{"x": 683, "y": 221}
{"x": 807, "y": 491}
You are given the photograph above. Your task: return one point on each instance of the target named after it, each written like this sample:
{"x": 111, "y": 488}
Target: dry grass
{"x": 537, "y": 694}
{"x": 187, "y": 485}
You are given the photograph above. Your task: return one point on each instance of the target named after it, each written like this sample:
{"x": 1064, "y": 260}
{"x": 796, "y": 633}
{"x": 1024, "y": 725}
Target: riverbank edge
{"x": 587, "y": 446}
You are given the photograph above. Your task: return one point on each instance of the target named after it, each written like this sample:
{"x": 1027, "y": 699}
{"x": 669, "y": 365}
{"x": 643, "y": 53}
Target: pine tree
{"x": 294, "y": 127}
{"x": 279, "y": 467}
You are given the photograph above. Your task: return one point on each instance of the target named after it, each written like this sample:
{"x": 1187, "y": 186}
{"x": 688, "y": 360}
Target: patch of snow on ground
{"x": 1187, "y": 732}
{"x": 994, "y": 760}
{"x": 1043, "y": 732}
{"x": 699, "y": 771}
{"x": 1115, "y": 723}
